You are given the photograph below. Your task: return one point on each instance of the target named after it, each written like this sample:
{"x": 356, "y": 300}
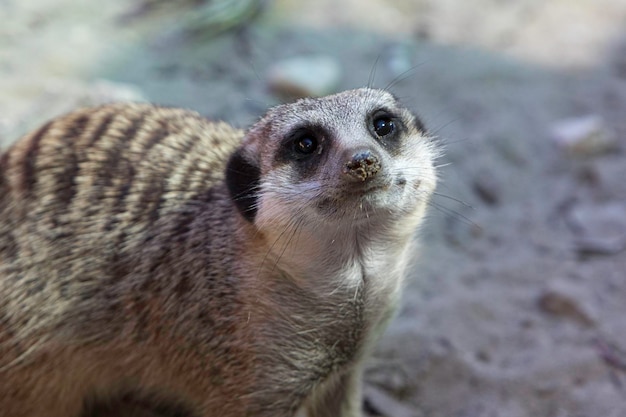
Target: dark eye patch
{"x": 301, "y": 144}
{"x": 305, "y": 148}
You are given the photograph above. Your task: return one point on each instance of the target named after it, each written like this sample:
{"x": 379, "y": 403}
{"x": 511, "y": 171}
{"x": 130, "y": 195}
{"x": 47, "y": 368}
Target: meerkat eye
{"x": 305, "y": 144}
{"x": 383, "y": 125}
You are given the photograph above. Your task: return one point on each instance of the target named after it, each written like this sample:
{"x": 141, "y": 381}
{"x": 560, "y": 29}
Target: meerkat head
{"x": 353, "y": 157}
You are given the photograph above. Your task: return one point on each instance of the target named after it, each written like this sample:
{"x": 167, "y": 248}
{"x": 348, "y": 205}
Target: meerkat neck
{"x": 318, "y": 255}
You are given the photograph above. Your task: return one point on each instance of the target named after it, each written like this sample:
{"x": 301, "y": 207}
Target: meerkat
{"x": 153, "y": 263}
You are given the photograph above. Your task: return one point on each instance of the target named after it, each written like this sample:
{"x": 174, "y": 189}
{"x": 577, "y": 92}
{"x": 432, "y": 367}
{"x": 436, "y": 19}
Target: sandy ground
{"x": 516, "y": 306}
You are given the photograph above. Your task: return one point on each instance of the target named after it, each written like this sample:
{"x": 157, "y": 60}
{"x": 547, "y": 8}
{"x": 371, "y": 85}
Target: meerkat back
{"x": 153, "y": 263}
{"x": 84, "y": 200}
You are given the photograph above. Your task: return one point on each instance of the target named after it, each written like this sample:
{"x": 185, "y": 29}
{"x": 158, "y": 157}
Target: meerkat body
{"x": 154, "y": 263}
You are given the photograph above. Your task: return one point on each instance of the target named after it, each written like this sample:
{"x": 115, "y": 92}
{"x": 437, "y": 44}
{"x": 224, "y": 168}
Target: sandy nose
{"x": 362, "y": 165}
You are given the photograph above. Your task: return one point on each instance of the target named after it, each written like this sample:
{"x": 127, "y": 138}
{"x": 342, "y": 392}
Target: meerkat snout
{"x": 363, "y": 164}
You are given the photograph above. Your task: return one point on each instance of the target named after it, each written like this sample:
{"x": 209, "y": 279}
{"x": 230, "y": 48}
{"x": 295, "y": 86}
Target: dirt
{"x": 515, "y": 305}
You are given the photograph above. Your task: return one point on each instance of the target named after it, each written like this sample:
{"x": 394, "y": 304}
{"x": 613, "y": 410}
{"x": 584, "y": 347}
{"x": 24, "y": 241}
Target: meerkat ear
{"x": 242, "y": 179}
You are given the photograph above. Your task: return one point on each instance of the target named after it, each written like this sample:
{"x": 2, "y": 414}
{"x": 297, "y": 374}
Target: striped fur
{"x": 82, "y": 198}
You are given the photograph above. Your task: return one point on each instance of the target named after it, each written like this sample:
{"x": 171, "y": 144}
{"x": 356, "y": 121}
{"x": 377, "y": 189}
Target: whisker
{"x": 451, "y": 213}
{"x": 295, "y": 228}
{"x": 372, "y": 76}
{"x": 270, "y": 250}
{"x": 454, "y": 199}
{"x": 454, "y": 142}
{"x": 440, "y": 128}
{"x": 402, "y": 76}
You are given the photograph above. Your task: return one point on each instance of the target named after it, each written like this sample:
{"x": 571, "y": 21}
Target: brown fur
{"x": 129, "y": 279}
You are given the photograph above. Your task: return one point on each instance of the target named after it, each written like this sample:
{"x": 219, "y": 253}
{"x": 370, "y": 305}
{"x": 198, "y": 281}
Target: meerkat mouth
{"x": 358, "y": 197}
{"x": 368, "y": 189}
{"x": 365, "y": 191}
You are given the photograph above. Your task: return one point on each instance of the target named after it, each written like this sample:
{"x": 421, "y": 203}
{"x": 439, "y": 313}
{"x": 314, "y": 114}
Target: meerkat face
{"x": 358, "y": 156}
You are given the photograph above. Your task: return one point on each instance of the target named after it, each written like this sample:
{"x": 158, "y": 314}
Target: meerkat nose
{"x": 362, "y": 165}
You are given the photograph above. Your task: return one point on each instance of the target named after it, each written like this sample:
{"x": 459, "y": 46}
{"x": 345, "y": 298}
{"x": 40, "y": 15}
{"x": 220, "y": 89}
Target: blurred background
{"x": 516, "y": 305}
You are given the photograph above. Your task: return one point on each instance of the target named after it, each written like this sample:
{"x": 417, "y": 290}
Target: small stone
{"x": 600, "y": 229}
{"x": 545, "y": 389}
{"x": 487, "y": 189}
{"x": 589, "y": 175}
{"x": 564, "y": 302}
{"x": 483, "y": 356}
{"x": 597, "y": 219}
{"x": 600, "y": 246}
{"x": 305, "y": 76}
{"x": 384, "y": 404}
{"x": 583, "y": 136}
